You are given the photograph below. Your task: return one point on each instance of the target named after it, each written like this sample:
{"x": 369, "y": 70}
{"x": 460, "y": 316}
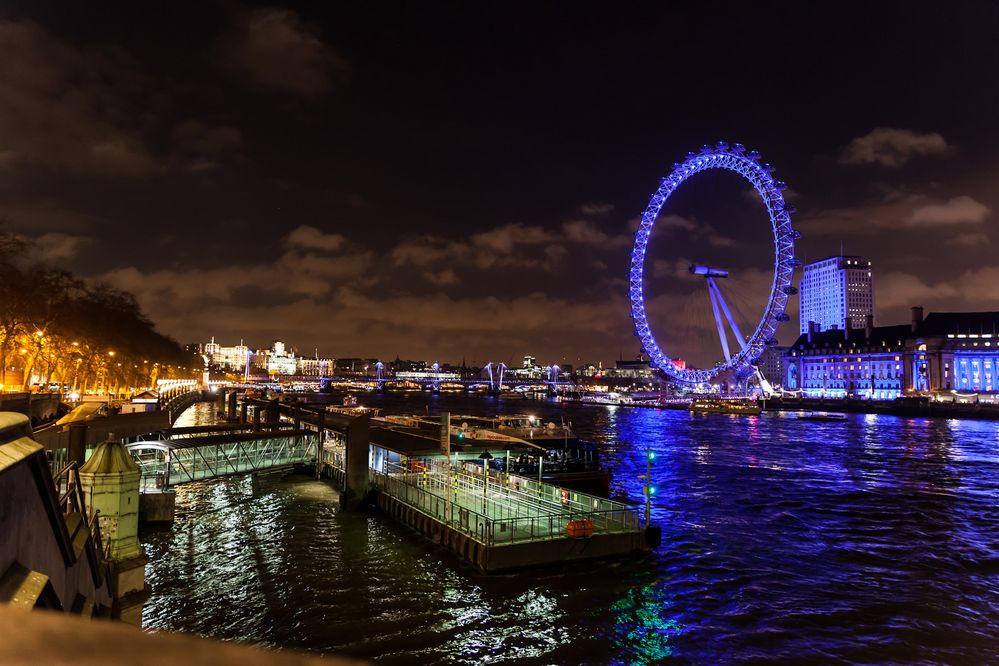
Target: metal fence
{"x": 164, "y": 465}
{"x": 494, "y": 514}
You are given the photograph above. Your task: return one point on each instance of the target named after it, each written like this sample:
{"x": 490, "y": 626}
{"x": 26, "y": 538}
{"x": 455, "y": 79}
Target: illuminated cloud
{"x": 892, "y": 147}
{"x": 969, "y": 239}
{"x": 310, "y": 238}
{"x": 507, "y": 246}
{"x": 895, "y": 211}
{"x": 958, "y": 210}
{"x": 57, "y": 248}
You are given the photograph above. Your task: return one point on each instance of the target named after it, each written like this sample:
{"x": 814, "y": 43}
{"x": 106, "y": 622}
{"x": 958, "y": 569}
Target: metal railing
{"x": 498, "y": 514}
{"x": 162, "y": 466}
{"x": 72, "y": 500}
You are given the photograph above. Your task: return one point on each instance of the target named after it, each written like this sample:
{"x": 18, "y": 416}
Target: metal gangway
{"x": 168, "y": 462}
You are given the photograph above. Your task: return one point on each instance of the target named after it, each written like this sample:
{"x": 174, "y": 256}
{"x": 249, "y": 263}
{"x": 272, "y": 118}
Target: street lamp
{"x": 649, "y": 489}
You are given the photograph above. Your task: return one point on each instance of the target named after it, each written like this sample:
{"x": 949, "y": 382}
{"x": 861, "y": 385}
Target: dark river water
{"x": 870, "y": 540}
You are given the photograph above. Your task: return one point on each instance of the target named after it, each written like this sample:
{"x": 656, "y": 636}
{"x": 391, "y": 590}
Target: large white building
{"x": 229, "y": 358}
{"x": 280, "y": 361}
{"x": 837, "y": 292}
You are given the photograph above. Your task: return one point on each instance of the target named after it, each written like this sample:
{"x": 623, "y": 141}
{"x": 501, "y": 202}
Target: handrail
{"x": 73, "y": 500}
{"x": 539, "y": 517}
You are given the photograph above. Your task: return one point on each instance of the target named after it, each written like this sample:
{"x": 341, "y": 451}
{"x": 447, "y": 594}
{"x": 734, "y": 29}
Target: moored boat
{"x": 721, "y": 406}
{"x": 822, "y": 416}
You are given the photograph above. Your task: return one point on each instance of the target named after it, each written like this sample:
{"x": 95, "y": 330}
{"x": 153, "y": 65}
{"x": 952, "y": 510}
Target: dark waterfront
{"x": 872, "y": 540}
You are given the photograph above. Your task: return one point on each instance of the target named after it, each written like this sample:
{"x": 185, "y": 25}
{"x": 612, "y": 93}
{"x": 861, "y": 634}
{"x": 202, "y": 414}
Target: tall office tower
{"x": 837, "y": 292}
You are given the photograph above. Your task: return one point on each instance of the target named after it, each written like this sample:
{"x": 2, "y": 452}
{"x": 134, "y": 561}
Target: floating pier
{"x": 499, "y": 522}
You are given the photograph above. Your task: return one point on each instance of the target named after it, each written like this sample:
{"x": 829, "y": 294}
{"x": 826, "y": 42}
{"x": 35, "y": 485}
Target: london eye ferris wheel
{"x": 741, "y": 362}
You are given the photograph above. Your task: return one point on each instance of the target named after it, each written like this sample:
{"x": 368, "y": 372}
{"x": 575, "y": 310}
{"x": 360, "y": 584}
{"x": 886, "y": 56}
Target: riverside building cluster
{"x": 842, "y": 354}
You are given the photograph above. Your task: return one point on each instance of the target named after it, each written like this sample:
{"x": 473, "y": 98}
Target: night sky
{"x": 443, "y": 181}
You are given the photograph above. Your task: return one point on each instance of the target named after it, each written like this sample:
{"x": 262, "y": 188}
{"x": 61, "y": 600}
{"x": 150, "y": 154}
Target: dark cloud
{"x": 274, "y": 50}
{"x": 71, "y": 109}
{"x": 200, "y": 147}
{"x": 596, "y": 208}
{"x": 38, "y": 216}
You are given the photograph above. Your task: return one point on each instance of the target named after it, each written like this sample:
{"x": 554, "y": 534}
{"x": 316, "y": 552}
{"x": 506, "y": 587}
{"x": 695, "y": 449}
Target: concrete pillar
{"x": 321, "y": 437}
{"x": 77, "y": 443}
{"x": 357, "y": 461}
{"x": 221, "y": 397}
{"x": 110, "y": 482}
{"x": 256, "y": 416}
{"x": 273, "y": 412}
{"x": 230, "y": 413}
{"x": 242, "y": 411}
{"x": 297, "y": 416}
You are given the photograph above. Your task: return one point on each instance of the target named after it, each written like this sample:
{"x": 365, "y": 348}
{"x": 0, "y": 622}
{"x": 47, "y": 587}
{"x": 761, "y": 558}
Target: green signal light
{"x": 652, "y": 455}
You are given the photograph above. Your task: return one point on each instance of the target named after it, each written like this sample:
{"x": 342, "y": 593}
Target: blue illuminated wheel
{"x": 747, "y": 165}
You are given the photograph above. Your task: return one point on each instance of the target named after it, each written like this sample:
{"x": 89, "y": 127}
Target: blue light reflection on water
{"x": 870, "y": 539}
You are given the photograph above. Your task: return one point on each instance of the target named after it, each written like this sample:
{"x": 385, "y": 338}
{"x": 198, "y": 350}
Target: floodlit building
{"x": 837, "y": 292}
{"x": 228, "y": 358}
{"x": 944, "y": 353}
{"x": 281, "y": 361}
{"x": 315, "y": 367}
{"x": 211, "y": 349}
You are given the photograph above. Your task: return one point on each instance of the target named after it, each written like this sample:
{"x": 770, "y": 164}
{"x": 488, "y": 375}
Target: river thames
{"x": 869, "y": 540}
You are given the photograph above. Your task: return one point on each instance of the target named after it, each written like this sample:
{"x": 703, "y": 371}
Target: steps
{"x": 26, "y": 589}
{"x": 78, "y": 530}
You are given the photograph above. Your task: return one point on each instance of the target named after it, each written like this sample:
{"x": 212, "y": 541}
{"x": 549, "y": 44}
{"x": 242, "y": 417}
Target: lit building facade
{"x": 228, "y": 358}
{"x": 943, "y": 353}
{"x": 281, "y": 361}
{"x": 529, "y": 370}
{"x": 848, "y": 363}
{"x": 837, "y": 292}
{"x": 315, "y": 367}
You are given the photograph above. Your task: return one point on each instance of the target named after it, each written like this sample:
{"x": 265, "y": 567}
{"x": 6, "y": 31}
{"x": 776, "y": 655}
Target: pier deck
{"x": 506, "y": 522}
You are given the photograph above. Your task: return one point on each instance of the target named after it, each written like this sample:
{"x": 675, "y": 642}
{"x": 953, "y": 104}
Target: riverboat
{"x": 718, "y": 406}
{"x": 821, "y": 416}
{"x": 607, "y": 398}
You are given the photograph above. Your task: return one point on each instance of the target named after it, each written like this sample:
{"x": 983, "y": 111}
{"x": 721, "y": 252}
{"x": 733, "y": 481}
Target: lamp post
{"x": 650, "y": 490}
{"x": 485, "y": 457}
